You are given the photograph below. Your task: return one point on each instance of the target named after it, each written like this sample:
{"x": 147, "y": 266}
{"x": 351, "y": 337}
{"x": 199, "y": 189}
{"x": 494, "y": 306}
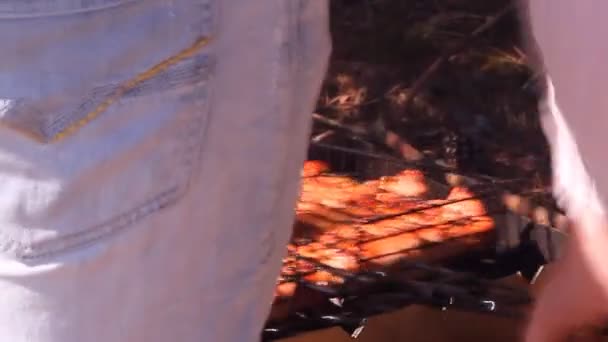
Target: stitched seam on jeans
{"x": 190, "y": 73}
{"x": 285, "y": 59}
{"x": 174, "y": 71}
{"x": 118, "y": 223}
{"x": 192, "y": 150}
{"x": 92, "y": 235}
{"x": 116, "y": 95}
{"x": 198, "y": 131}
{"x": 26, "y": 10}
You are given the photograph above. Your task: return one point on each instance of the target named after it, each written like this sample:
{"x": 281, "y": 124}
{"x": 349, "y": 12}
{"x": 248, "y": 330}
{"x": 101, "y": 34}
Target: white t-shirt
{"x": 569, "y": 35}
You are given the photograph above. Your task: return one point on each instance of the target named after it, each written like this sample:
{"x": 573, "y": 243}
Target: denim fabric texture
{"x": 149, "y": 163}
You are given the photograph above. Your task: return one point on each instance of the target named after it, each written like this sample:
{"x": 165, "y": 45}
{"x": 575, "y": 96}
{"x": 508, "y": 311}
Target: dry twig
{"x": 430, "y": 72}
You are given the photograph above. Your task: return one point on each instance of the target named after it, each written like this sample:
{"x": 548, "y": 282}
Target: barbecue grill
{"x": 458, "y": 274}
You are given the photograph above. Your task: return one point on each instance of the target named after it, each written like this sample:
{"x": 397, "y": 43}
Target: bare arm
{"x": 575, "y": 119}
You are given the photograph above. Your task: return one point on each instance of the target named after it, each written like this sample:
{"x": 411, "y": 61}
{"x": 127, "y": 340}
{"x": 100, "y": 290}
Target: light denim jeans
{"x": 148, "y": 179}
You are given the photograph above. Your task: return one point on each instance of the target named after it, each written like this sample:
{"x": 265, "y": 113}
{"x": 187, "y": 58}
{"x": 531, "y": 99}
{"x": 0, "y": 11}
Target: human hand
{"x": 574, "y": 299}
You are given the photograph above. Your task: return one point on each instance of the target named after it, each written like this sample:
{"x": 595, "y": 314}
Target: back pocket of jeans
{"x": 85, "y": 165}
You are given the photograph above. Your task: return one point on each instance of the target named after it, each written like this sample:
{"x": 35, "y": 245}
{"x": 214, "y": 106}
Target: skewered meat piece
{"x": 331, "y": 227}
{"x": 388, "y": 197}
{"x": 331, "y": 191}
{"x": 286, "y": 285}
{"x": 314, "y": 168}
{"x": 380, "y": 229}
{"x": 293, "y": 268}
{"x": 286, "y": 282}
{"x": 361, "y": 199}
{"x": 341, "y": 233}
{"x": 341, "y": 256}
{"x": 310, "y": 250}
{"x": 392, "y": 226}
{"x": 317, "y": 217}
{"x": 408, "y": 183}
{"x": 436, "y": 225}
{"x": 285, "y": 289}
{"x": 321, "y": 184}
{"x": 328, "y": 181}
{"x": 360, "y": 208}
{"x": 338, "y": 227}
{"x": 467, "y": 203}
{"x": 336, "y": 258}
{"x": 369, "y": 206}
{"x": 327, "y": 255}
{"x": 468, "y": 209}
{"x": 408, "y": 216}
{"x": 393, "y": 248}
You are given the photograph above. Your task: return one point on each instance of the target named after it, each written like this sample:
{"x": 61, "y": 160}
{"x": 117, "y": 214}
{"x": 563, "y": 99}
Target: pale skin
{"x": 572, "y": 304}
